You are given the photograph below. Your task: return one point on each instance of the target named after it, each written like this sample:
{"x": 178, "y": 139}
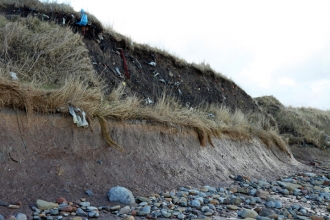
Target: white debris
{"x": 211, "y": 115}
{"x": 152, "y": 63}
{"x": 79, "y": 117}
{"x": 13, "y": 75}
{"x": 63, "y": 21}
{"x": 148, "y": 101}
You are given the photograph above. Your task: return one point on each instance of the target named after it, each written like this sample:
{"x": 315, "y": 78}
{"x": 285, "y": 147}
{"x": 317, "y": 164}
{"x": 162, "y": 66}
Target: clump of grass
{"x": 44, "y": 53}
{"x": 306, "y": 125}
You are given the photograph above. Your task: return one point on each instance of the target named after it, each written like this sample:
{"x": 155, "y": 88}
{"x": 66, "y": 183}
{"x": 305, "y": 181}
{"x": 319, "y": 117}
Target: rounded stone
{"x": 121, "y": 194}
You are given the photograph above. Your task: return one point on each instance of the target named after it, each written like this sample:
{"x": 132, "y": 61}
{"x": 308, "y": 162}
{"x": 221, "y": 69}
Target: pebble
{"x": 299, "y": 196}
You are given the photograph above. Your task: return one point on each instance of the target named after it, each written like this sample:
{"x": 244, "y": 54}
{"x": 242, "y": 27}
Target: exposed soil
{"x": 47, "y": 156}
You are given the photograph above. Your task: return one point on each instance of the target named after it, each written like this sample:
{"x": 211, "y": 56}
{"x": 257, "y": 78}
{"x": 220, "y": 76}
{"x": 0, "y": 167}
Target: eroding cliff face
{"x": 50, "y": 156}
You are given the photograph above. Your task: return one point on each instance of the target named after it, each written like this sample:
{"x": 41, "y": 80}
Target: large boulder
{"x": 121, "y": 194}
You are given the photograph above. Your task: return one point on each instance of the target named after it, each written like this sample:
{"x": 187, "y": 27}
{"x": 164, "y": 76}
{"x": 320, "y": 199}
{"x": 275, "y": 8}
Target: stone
{"x": 67, "y": 208}
{"x": 76, "y": 218}
{"x": 181, "y": 216}
{"x": 1, "y": 217}
{"x": 42, "y": 204}
{"x": 243, "y": 190}
{"x": 248, "y": 213}
{"x": 263, "y": 218}
{"x": 278, "y": 204}
{"x": 316, "y": 218}
{"x": 195, "y": 203}
{"x": 270, "y": 204}
{"x": 2, "y": 203}
{"x": 129, "y": 217}
{"x": 125, "y": 210}
{"x": 289, "y": 186}
{"x": 232, "y": 207}
{"x": 93, "y": 214}
{"x": 266, "y": 212}
{"x": 262, "y": 194}
{"x": 310, "y": 174}
{"x": 121, "y": 194}
{"x": 142, "y": 199}
{"x": 328, "y": 207}
{"x": 80, "y": 212}
{"x": 85, "y": 204}
{"x": 61, "y": 200}
{"x": 20, "y": 216}
{"x": 114, "y": 208}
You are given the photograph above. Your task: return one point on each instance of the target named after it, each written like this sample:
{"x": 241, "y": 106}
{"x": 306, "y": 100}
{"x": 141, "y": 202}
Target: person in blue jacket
{"x": 83, "y": 21}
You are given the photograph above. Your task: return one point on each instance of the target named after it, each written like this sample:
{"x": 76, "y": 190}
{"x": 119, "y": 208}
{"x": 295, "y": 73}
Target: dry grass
{"x": 306, "y": 125}
{"x": 54, "y": 71}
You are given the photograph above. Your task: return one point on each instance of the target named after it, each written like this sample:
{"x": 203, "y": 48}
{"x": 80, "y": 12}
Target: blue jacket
{"x": 83, "y": 21}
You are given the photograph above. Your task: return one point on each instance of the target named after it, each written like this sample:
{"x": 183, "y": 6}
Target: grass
{"x": 54, "y": 71}
{"x": 299, "y": 125}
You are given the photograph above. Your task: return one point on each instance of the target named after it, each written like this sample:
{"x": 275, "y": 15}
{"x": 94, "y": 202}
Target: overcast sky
{"x": 279, "y": 48}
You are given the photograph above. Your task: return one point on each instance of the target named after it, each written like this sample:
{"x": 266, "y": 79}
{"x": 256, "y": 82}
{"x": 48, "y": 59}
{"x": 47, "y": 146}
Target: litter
{"x": 211, "y": 115}
{"x": 148, "y": 101}
{"x": 13, "y": 75}
{"x": 156, "y": 74}
{"x": 180, "y": 92}
{"x": 162, "y": 80}
{"x": 63, "y": 21}
{"x": 119, "y": 73}
{"x": 152, "y": 63}
{"x": 80, "y": 120}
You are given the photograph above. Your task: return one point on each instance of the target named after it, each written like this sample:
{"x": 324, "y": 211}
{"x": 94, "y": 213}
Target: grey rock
{"x": 125, "y": 210}
{"x": 85, "y": 204}
{"x": 278, "y": 204}
{"x": 270, "y": 204}
{"x": 263, "y": 218}
{"x": 143, "y": 199}
{"x": 181, "y": 216}
{"x": 93, "y": 214}
{"x": 310, "y": 174}
{"x": 266, "y": 212}
{"x": 285, "y": 192}
{"x": 49, "y": 218}
{"x": 54, "y": 211}
{"x": 2, "y": 203}
{"x": 80, "y": 212}
{"x": 247, "y": 213}
{"x": 20, "y": 216}
{"x": 195, "y": 203}
{"x": 1, "y": 217}
{"x": 146, "y": 209}
{"x": 121, "y": 194}
{"x": 89, "y": 192}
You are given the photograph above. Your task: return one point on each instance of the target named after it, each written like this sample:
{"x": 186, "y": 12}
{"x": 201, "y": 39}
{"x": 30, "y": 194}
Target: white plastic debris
{"x": 13, "y": 75}
{"x": 79, "y": 117}
{"x": 63, "y": 21}
{"x": 148, "y": 101}
{"x": 152, "y": 63}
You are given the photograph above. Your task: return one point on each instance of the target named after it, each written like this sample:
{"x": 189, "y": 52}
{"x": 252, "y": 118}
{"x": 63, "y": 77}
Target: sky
{"x": 279, "y": 48}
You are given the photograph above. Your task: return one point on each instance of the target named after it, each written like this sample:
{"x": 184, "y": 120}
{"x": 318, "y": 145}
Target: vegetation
{"x": 54, "y": 71}
{"x": 299, "y": 125}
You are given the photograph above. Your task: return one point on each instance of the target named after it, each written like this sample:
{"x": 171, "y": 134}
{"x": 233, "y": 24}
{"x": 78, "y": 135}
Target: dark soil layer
{"x": 181, "y": 80}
